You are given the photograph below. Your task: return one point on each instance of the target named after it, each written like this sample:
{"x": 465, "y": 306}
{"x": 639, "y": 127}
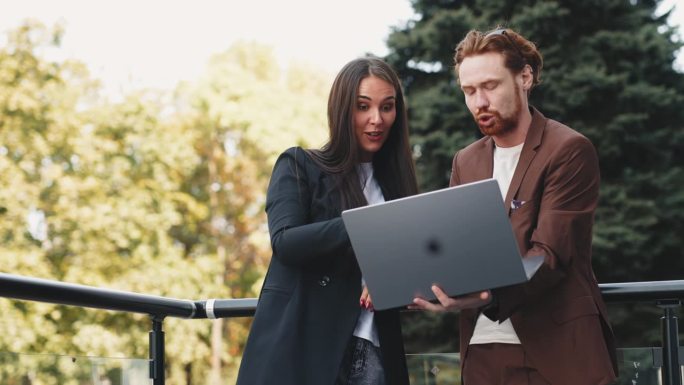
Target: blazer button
{"x": 324, "y": 281}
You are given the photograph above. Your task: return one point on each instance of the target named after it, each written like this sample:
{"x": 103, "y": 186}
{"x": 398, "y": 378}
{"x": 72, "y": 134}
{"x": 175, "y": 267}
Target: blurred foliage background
{"x": 163, "y": 192}
{"x": 160, "y": 193}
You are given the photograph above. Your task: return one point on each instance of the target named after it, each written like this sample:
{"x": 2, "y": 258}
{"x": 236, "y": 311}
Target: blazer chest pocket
{"x": 525, "y": 214}
{"x": 523, "y": 207}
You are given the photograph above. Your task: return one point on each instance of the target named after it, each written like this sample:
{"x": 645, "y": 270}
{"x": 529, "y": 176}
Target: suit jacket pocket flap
{"x": 576, "y": 308}
{"x": 276, "y": 290}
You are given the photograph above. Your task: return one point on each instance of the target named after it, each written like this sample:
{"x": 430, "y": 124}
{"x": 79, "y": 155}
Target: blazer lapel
{"x": 529, "y": 150}
{"x": 485, "y": 158}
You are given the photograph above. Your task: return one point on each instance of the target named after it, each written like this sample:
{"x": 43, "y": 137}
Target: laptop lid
{"x": 459, "y": 238}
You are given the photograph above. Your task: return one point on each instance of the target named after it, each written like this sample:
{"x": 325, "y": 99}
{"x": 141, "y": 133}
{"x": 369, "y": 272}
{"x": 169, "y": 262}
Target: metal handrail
{"x": 665, "y": 294}
{"x": 653, "y": 291}
{"x": 43, "y": 290}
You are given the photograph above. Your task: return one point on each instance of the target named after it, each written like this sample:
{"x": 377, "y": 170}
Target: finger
{"x": 473, "y": 300}
{"x": 425, "y": 305}
{"x": 443, "y": 298}
{"x": 414, "y": 306}
{"x": 364, "y": 298}
{"x": 369, "y": 303}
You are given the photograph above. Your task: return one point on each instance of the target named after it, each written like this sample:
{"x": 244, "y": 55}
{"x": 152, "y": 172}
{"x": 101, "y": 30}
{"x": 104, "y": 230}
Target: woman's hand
{"x": 365, "y": 300}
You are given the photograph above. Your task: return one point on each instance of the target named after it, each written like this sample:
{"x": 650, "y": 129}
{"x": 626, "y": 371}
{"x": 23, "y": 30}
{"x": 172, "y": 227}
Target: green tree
{"x": 608, "y": 73}
{"x": 154, "y": 194}
{"x": 33, "y": 146}
{"x": 89, "y": 196}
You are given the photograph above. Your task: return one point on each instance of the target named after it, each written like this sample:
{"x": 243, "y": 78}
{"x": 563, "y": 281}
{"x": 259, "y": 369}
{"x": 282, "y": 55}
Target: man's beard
{"x": 499, "y": 125}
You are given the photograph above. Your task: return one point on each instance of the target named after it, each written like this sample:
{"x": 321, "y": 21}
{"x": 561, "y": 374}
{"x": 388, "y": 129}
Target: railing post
{"x": 671, "y": 373}
{"x": 157, "y": 351}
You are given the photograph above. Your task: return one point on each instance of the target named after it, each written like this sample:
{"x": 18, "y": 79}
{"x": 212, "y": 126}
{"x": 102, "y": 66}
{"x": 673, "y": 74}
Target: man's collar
{"x": 534, "y": 133}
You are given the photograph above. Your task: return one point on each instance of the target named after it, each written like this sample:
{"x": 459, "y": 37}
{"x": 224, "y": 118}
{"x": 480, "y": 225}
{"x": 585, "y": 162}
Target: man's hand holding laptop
{"x": 446, "y": 303}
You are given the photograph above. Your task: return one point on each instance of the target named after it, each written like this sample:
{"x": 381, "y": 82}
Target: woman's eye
{"x": 362, "y": 107}
{"x": 388, "y": 107}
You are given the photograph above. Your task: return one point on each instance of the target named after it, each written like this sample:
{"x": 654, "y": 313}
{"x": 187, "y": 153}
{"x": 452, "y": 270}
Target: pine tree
{"x": 608, "y": 73}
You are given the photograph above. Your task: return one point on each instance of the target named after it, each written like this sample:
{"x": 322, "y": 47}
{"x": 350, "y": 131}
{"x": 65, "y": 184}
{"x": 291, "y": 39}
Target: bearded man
{"x": 552, "y": 329}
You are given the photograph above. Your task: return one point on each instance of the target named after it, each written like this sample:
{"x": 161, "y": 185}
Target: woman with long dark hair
{"x": 314, "y": 323}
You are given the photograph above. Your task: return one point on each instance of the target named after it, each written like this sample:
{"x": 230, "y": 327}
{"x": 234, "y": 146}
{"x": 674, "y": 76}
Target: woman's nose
{"x": 376, "y": 116}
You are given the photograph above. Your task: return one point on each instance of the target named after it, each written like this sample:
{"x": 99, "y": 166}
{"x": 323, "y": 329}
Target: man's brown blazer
{"x": 559, "y": 314}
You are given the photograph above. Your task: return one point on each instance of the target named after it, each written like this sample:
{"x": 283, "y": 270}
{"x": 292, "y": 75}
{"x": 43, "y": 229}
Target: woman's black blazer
{"x": 309, "y": 303}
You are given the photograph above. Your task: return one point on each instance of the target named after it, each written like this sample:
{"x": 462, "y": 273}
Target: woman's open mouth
{"x": 374, "y": 135}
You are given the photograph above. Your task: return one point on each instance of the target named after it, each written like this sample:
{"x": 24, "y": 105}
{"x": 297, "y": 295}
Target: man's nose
{"x": 481, "y": 100}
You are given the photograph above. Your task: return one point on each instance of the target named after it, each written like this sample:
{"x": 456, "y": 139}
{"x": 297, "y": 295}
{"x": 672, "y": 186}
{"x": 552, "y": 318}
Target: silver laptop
{"x": 459, "y": 238}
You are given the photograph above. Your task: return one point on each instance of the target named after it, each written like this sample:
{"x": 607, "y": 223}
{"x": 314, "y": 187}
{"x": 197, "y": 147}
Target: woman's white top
{"x": 365, "y": 327}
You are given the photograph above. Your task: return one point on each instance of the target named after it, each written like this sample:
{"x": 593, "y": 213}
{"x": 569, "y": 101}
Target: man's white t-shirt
{"x": 486, "y": 330}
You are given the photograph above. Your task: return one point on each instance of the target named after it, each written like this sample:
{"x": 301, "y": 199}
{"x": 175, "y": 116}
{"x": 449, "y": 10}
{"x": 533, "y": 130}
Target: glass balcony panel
{"x": 641, "y": 366}
{"x": 50, "y": 369}
{"x": 638, "y": 366}
{"x": 434, "y": 368}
